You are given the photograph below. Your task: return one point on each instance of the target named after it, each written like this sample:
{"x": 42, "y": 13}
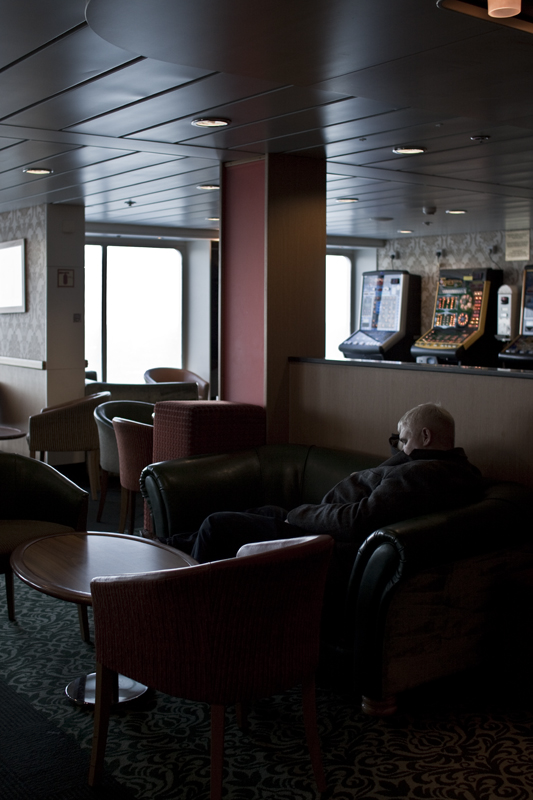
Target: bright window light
{"x": 144, "y": 311}
{"x": 338, "y": 303}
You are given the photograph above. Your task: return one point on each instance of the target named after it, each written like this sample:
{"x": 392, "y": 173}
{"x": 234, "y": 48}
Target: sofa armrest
{"x": 182, "y": 492}
{"x": 433, "y": 544}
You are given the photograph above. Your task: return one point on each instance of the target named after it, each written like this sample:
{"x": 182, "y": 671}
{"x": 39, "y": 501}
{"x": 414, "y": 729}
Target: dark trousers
{"x": 222, "y": 534}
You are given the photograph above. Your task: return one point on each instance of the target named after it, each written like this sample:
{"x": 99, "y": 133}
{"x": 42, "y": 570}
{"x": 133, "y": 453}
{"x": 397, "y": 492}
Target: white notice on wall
{"x": 517, "y": 245}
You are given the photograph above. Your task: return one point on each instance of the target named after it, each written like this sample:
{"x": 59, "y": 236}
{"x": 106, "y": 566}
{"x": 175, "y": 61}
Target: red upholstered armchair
{"x": 220, "y": 633}
{"x": 189, "y": 428}
{"x": 134, "y": 443}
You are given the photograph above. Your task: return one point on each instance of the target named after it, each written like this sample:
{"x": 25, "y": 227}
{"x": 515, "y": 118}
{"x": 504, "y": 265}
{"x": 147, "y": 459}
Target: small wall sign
{"x": 517, "y": 245}
{"x": 65, "y": 278}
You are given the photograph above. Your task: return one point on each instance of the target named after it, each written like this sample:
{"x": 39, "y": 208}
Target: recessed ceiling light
{"x": 455, "y": 211}
{"x": 347, "y": 199}
{"x": 405, "y": 231}
{"x": 409, "y": 150}
{"x": 208, "y": 187}
{"x": 213, "y": 219}
{"x": 38, "y": 171}
{"x": 210, "y": 122}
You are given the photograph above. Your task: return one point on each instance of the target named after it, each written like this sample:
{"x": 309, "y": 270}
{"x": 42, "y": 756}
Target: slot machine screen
{"x": 381, "y": 302}
{"x": 527, "y": 314}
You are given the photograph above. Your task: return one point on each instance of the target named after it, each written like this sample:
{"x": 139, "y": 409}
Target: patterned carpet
{"x": 468, "y": 739}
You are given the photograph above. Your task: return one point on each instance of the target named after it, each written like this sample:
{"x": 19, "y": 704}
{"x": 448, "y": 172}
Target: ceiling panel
{"x": 111, "y": 114}
{"x": 122, "y": 86}
{"x": 65, "y": 63}
{"x": 203, "y": 95}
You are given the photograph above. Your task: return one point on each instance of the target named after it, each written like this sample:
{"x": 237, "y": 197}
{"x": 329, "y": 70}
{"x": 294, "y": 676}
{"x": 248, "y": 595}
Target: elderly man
{"x": 427, "y": 474}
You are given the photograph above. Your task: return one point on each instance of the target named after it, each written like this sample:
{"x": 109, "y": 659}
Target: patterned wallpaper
{"x": 24, "y": 335}
{"x": 418, "y": 256}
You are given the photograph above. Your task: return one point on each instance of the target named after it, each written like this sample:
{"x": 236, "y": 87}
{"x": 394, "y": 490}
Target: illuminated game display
{"x": 390, "y": 316}
{"x": 520, "y": 351}
{"x": 464, "y": 317}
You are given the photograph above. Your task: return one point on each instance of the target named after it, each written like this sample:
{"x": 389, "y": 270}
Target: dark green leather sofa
{"x": 415, "y": 603}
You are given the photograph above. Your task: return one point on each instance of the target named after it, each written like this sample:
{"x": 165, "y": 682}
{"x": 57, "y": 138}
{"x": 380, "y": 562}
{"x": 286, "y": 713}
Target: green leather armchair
{"x": 416, "y": 602}
{"x": 36, "y": 500}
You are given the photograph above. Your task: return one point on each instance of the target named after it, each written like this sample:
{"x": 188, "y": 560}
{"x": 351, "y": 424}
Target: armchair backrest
{"x": 103, "y": 415}
{"x": 146, "y": 393}
{"x": 222, "y": 632}
{"x": 34, "y": 490}
{"x": 166, "y": 374}
{"x": 135, "y": 444}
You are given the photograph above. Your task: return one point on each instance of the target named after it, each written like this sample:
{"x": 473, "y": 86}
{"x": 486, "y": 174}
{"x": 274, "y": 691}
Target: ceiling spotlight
{"x": 455, "y": 211}
{"x": 38, "y": 171}
{"x": 504, "y": 8}
{"x": 347, "y": 199}
{"x": 208, "y": 187}
{"x": 429, "y": 210}
{"x": 409, "y": 150}
{"x": 405, "y": 231}
{"x": 210, "y": 122}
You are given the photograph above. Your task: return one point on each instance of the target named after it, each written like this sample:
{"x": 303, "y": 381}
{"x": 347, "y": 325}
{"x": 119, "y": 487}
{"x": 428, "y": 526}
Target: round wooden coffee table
{"x": 63, "y": 565}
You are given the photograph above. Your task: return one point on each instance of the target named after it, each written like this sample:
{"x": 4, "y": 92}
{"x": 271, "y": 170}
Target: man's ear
{"x": 427, "y": 437}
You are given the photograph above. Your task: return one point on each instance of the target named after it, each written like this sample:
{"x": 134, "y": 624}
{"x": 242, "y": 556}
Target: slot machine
{"x": 464, "y": 319}
{"x": 519, "y": 352}
{"x": 389, "y": 319}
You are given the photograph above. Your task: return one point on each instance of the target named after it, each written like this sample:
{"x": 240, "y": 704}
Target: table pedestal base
{"x": 82, "y": 690}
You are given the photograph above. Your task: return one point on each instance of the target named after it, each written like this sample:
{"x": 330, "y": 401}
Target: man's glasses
{"x": 394, "y": 441}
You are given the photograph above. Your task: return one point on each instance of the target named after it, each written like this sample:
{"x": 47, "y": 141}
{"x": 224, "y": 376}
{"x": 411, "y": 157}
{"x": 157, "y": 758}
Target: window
{"x": 133, "y": 310}
{"x": 338, "y": 303}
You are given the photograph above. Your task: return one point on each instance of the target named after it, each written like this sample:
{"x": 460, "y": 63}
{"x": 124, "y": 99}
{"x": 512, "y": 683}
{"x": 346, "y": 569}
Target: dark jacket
{"x": 404, "y": 486}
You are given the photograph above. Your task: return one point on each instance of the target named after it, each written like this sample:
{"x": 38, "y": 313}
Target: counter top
{"x": 492, "y": 372}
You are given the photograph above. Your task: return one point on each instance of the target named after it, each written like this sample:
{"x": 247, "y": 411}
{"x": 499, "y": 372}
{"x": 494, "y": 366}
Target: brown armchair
{"x": 220, "y": 633}
{"x": 169, "y": 374}
{"x": 69, "y": 427}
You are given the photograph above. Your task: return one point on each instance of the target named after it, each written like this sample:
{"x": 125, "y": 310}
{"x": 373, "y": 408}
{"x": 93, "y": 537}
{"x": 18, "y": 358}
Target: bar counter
{"x": 356, "y": 404}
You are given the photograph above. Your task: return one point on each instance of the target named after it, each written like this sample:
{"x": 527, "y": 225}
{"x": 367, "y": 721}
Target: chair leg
{"x": 104, "y": 483}
{"x": 84, "y": 623}
{"x": 217, "y": 750}
{"x": 133, "y": 495}
{"x": 93, "y": 468}
{"x": 103, "y": 700}
{"x": 124, "y": 505}
{"x": 10, "y": 595}
{"x": 311, "y": 731}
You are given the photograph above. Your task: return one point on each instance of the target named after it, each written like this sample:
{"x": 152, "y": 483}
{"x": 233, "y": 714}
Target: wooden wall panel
{"x": 358, "y": 407}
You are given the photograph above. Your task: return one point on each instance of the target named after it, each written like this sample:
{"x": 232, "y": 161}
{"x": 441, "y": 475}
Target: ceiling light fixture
{"x": 130, "y": 203}
{"x": 504, "y": 8}
{"x": 210, "y": 122}
{"x": 405, "y": 231}
{"x": 213, "y": 219}
{"x": 347, "y": 199}
{"x": 455, "y": 211}
{"x": 480, "y": 138}
{"x": 38, "y": 171}
{"x": 409, "y": 150}
{"x": 208, "y": 187}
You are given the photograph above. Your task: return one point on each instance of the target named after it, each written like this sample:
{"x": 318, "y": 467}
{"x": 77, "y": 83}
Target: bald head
{"x": 427, "y": 427}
